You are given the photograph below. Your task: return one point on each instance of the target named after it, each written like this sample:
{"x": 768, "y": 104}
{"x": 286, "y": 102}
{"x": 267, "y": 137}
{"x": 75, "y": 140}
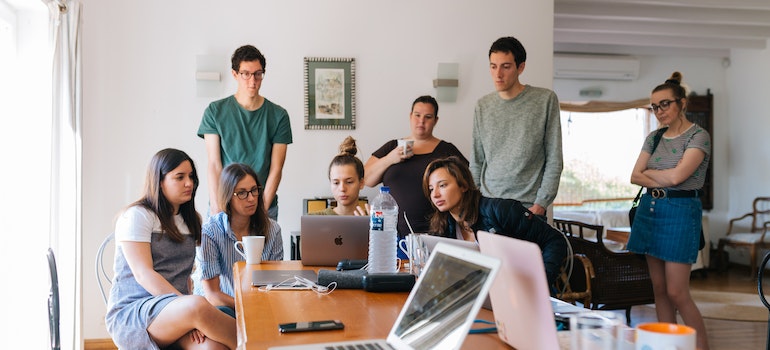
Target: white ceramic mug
{"x": 251, "y": 248}
{"x": 664, "y": 336}
{"x": 416, "y": 251}
{"x": 407, "y": 147}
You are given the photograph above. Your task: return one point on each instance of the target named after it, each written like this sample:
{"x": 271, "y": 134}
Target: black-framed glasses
{"x": 243, "y": 194}
{"x": 258, "y": 75}
{"x": 664, "y": 105}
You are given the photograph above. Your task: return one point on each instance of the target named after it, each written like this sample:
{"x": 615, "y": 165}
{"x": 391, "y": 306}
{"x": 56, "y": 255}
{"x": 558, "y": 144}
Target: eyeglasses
{"x": 258, "y": 75}
{"x": 245, "y": 194}
{"x": 664, "y": 105}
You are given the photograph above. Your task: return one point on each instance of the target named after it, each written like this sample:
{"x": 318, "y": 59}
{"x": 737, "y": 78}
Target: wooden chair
{"x": 574, "y": 282}
{"x": 621, "y": 278}
{"x": 752, "y": 238}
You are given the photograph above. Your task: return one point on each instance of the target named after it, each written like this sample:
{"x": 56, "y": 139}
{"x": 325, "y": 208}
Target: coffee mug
{"x": 416, "y": 251}
{"x": 664, "y": 336}
{"x": 250, "y": 248}
{"x": 407, "y": 147}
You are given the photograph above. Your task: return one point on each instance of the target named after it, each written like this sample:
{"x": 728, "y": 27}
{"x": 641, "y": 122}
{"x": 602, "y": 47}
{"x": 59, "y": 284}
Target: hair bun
{"x": 675, "y": 78}
{"x": 348, "y": 146}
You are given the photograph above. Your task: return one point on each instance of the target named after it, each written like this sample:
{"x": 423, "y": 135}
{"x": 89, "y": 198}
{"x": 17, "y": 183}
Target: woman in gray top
{"x": 149, "y": 306}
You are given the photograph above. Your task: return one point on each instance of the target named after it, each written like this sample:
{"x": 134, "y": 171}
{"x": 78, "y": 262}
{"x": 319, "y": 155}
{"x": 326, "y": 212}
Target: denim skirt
{"x": 667, "y": 228}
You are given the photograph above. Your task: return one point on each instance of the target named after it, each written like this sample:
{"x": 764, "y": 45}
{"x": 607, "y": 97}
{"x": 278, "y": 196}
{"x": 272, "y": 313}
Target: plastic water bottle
{"x": 383, "y": 233}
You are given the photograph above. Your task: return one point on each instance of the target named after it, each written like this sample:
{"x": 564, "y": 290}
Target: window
{"x": 600, "y": 150}
{"x": 25, "y": 95}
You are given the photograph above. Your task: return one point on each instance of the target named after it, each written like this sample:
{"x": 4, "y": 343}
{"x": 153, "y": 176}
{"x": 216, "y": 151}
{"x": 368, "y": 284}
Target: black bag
{"x": 635, "y": 203}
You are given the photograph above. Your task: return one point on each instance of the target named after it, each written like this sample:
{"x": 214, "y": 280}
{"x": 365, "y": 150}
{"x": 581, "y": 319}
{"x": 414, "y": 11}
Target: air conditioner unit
{"x": 595, "y": 67}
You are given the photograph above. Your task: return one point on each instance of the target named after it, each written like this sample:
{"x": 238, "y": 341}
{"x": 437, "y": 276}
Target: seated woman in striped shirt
{"x": 244, "y": 214}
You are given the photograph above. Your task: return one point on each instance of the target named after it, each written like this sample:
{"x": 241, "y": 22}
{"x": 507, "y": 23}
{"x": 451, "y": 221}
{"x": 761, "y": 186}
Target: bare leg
{"x": 664, "y": 308}
{"x": 678, "y": 290}
{"x": 190, "y": 312}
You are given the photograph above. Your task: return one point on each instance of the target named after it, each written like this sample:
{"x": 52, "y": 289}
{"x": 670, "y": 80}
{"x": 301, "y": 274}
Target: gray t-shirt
{"x": 671, "y": 150}
{"x": 517, "y": 146}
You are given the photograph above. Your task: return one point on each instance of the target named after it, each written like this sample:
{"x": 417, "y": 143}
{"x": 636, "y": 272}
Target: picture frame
{"x": 330, "y": 93}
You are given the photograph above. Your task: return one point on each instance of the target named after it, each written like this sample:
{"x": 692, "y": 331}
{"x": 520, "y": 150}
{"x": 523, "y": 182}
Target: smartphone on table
{"x": 310, "y": 326}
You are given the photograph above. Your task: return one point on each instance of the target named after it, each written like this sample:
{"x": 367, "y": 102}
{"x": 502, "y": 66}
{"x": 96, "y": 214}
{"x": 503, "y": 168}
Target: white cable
{"x": 299, "y": 283}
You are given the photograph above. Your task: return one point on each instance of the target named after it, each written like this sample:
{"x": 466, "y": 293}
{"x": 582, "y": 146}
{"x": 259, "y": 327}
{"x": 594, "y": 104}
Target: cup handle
{"x": 402, "y": 245}
{"x": 239, "y": 248}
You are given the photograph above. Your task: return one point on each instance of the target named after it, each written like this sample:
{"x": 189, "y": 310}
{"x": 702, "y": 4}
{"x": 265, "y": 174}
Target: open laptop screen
{"x": 437, "y": 312}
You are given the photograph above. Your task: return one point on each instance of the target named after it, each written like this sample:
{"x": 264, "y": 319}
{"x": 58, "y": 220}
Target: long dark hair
{"x": 259, "y": 223}
{"x": 469, "y": 204}
{"x": 162, "y": 163}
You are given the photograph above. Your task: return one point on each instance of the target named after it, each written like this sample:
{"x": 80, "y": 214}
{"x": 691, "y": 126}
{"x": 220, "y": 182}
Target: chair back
{"x": 53, "y": 303}
{"x": 760, "y": 213}
{"x": 102, "y": 276}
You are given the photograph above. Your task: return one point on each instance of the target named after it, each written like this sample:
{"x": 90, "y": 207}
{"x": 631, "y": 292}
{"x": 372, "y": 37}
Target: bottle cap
{"x": 384, "y": 189}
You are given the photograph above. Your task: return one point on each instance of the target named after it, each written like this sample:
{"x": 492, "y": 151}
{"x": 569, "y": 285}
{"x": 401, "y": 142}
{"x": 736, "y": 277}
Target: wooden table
{"x": 619, "y": 234}
{"x": 365, "y": 315}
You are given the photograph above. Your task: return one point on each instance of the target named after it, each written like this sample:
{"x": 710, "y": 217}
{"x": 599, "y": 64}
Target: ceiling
{"x": 675, "y": 27}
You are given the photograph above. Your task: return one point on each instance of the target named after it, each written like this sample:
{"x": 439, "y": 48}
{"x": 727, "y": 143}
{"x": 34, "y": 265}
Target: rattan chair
{"x": 621, "y": 279}
{"x": 752, "y": 238}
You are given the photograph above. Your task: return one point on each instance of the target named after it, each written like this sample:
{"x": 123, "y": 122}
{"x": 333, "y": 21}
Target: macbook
{"x": 440, "y": 308}
{"x": 520, "y": 299}
{"x": 430, "y": 241}
{"x": 327, "y": 239}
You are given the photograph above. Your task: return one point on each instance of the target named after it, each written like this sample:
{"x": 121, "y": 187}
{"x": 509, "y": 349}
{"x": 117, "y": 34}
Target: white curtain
{"x": 66, "y": 161}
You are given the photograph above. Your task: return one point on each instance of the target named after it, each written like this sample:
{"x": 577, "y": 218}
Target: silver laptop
{"x": 441, "y": 307}
{"x": 281, "y": 278}
{"x": 430, "y": 241}
{"x": 327, "y": 239}
{"x": 520, "y": 299}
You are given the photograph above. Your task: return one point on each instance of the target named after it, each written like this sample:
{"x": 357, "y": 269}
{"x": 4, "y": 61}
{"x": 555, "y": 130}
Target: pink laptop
{"x": 520, "y": 299}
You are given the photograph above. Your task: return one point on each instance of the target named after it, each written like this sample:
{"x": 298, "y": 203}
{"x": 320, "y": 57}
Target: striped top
{"x": 216, "y": 254}
{"x": 671, "y": 150}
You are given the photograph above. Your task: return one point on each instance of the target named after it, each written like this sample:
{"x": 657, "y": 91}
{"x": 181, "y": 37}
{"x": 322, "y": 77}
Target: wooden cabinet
{"x": 700, "y": 110}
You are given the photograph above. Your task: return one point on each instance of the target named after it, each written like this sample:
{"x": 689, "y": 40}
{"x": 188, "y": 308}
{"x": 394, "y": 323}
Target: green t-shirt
{"x": 247, "y": 136}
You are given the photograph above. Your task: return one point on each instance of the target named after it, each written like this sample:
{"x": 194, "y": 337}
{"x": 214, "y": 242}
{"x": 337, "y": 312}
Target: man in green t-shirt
{"x": 247, "y": 128}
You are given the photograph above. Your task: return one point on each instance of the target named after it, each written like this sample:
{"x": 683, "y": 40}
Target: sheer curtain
{"x": 66, "y": 159}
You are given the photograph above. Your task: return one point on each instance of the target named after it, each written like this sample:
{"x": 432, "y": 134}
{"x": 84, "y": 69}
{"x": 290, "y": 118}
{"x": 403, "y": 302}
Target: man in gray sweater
{"x": 516, "y": 134}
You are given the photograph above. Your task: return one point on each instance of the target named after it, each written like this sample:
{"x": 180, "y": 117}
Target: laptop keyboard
{"x": 362, "y": 346}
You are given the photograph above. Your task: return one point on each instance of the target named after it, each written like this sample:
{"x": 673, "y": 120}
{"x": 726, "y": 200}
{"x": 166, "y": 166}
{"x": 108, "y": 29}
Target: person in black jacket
{"x": 461, "y": 211}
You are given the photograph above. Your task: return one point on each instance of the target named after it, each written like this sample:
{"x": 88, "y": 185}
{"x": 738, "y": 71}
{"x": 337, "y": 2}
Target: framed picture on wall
{"x": 330, "y": 93}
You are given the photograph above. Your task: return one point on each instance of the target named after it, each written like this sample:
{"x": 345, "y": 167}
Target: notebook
{"x": 520, "y": 299}
{"x": 327, "y": 239}
{"x": 275, "y": 277}
{"x": 440, "y": 308}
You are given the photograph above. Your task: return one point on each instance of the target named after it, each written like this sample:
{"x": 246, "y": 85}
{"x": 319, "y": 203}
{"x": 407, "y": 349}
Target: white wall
{"x": 140, "y": 93}
{"x": 748, "y": 154}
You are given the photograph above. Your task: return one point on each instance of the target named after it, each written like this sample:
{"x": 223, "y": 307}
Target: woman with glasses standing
{"x": 244, "y": 214}
{"x": 667, "y": 224}
{"x": 155, "y": 239}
